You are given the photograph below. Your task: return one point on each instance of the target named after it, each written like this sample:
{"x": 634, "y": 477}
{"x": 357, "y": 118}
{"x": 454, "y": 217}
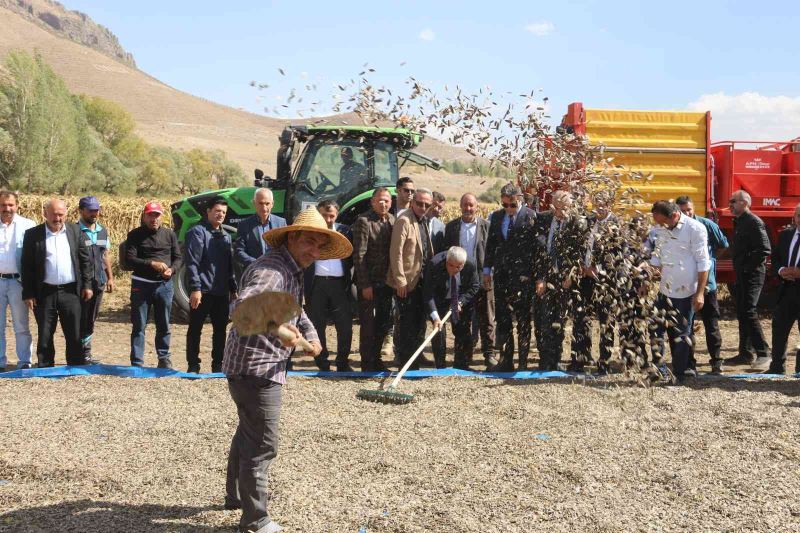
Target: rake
{"x": 390, "y": 395}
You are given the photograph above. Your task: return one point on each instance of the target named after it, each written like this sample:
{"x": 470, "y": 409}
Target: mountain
{"x": 91, "y": 61}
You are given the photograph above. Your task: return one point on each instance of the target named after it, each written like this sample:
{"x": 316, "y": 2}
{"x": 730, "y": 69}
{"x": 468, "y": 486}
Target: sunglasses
{"x": 513, "y": 205}
{"x": 409, "y": 191}
{"x": 732, "y": 201}
{"x": 426, "y": 205}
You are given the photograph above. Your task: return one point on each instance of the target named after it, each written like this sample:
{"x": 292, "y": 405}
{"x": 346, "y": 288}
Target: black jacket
{"x": 145, "y": 245}
{"x": 511, "y": 259}
{"x": 751, "y": 245}
{"x": 567, "y": 251}
{"x": 452, "y": 237}
{"x": 436, "y": 289}
{"x": 780, "y": 256}
{"x": 34, "y": 255}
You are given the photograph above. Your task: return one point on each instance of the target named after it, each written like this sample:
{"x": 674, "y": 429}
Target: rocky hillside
{"x": 73, "y": 25}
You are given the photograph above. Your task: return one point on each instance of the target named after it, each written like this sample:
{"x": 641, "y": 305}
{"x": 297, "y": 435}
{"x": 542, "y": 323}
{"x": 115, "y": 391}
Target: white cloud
{"x": 427, "y": 34}
{"x": 541, "y": 29}
{"x": 751, "y": 116}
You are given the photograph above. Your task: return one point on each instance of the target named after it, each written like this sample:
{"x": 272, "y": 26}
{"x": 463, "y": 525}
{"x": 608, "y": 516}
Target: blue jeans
{"x": 678, "y": 327}
{"x": 144, "y": 295}
{"x": 11, "y": 296}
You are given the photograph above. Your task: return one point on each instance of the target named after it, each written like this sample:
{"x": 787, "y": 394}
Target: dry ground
{"x": 115, "y": 454}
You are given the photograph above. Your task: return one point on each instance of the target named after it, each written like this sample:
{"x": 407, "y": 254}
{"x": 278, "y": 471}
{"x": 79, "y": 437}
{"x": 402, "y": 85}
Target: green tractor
{"x": 345, "y": 163}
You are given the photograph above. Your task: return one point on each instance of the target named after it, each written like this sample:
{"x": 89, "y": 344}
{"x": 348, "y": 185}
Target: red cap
{"x": 153, "y": 207}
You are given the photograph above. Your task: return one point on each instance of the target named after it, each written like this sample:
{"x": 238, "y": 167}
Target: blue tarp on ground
{"x": 139, "y": 372}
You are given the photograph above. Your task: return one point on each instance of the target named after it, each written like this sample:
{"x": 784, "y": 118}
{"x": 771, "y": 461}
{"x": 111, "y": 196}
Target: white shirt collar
{"x": 59, "y": 232}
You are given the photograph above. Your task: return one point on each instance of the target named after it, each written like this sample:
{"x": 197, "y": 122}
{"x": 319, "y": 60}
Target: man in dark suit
{"x": 596, "y": 283}
{"x": 58, "y": 273}
{"x": 510, "y": 251}
{"x": 249, "y": 244}
{"x": 470, "y": 232}
{"x": 786, "y": 265}
{"x": 563, "y": 240}
{"x": 327, "y": 293}
{"x": 451, "y": 283}
{"x": 751, "y": 247}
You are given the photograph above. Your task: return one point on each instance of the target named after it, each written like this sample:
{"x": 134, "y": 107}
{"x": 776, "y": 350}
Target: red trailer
{"x": 768, "y": 171}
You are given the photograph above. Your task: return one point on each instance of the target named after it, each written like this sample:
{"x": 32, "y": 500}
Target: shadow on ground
{"x": 96, "y": 516}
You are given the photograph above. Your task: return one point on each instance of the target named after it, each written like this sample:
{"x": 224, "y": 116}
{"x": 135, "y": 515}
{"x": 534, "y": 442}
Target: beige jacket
{"x": 405, "y": 253}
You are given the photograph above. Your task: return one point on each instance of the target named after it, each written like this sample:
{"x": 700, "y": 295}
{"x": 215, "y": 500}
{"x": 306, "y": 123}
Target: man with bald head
{"x": 58, "y": 274}
{"x": 249, "y": 245}
{"x": 470, "y": 232}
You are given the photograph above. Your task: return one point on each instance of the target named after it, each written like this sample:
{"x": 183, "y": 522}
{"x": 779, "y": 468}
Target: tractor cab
{"x": 343, "y": 163}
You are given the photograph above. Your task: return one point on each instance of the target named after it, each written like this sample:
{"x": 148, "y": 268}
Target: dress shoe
{"x": 322, "y": 363}
{"x": 271, "y": 527}
{"x": 193, "y": 369}
{"x": 232, "y": 506}
{"x": 575, "y": 366}
{"x": 166, "y": 363}
{"x": 22, "y": 366}
{"x": 603, "y": 369}
{"x": 740, "y": 359}
{"x": 490, "y": 361}
{"x": 424, "y": 362}
{"x": 344, "y": 366}
{"x": 689, "y": 373}
{"x": 89, "y": 360}
{"x": 775, "y": 370}
{"x": 503, "y": 366}
{"x": 716, "y": 367}
{"x": 379, "y": 366}
{"x": 216, "y": 368}
{"x": 762, "y": 363}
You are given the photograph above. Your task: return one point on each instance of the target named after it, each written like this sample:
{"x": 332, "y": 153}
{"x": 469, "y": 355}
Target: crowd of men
{"x": 522, "y": 269}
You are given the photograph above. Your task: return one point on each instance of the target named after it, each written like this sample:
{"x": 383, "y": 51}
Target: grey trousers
{"x": 254, "y": 446}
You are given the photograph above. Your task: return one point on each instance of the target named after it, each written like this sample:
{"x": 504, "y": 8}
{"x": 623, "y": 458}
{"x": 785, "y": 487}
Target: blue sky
{"x": 734, "y": 58}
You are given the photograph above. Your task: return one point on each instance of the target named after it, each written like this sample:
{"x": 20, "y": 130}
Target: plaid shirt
{"x": 371, "y": 239}
{"x": 264, "y": 355}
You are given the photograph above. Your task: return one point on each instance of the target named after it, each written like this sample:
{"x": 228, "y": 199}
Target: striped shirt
{"x": 264, "y": 355}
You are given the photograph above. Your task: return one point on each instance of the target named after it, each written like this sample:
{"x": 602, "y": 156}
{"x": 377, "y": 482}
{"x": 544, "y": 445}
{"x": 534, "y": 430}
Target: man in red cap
{"x": 155, "y": 255}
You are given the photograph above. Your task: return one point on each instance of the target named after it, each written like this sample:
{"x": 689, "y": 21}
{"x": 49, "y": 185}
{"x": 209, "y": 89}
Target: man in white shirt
{"x": 470, "y": 232}
{"x": 681, "y": 255}
{"x": 12, "y": 233}
{"x": 58, "y": 273}
{"x": 328, "y": 296}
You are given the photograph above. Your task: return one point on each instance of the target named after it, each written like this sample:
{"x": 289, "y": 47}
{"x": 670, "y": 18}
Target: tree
{"x": 226, "y": 172}
{"x": 45, "y": 123}
{"x": 109, "y": 119}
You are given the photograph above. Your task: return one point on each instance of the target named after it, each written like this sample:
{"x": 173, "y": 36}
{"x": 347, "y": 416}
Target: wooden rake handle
{"x": 285, "y": 334}
{"x": 422, "y": 346}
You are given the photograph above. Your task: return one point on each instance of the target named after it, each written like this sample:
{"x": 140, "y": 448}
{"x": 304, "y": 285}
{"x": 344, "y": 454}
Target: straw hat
{"x": 338, "y": 246}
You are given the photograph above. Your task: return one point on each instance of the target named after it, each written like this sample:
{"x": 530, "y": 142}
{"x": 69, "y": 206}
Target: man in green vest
{"x": 98, "y": 244}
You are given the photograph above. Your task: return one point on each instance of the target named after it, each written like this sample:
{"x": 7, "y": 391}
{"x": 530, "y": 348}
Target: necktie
{"x": 453, "y": 299}
{"x": 793, "y": 254}
{"x": 510, "y": 227}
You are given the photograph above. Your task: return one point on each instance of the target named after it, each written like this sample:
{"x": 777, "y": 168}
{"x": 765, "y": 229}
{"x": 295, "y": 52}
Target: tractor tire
{"x": 180, "y": 297}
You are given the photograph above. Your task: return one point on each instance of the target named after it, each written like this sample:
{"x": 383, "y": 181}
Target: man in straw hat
{"x": 255, "y": 365}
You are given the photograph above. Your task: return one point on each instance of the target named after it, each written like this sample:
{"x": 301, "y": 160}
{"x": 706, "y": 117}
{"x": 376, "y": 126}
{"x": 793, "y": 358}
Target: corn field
{"x": 118, "y": 214}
